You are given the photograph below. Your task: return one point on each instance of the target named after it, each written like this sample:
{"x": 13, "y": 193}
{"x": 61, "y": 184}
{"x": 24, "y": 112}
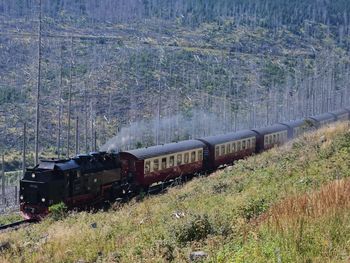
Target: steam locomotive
{"x": 86, "y": 180}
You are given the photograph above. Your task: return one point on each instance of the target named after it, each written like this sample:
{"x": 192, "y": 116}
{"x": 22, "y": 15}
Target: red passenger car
{"x": 163, "y": 162}
{"x": 224, "y": 149}
{"x": 271, "y": 136}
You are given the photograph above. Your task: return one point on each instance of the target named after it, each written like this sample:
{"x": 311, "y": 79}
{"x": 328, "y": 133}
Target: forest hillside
{"x": 150, "y": 71}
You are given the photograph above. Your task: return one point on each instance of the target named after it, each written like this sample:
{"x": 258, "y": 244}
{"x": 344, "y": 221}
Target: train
{"x": 90, "y": 179}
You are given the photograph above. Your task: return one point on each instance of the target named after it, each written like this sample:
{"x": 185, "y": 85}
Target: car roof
{"x": 271, "y": 129}
{"x": 340, "y": 112}
{"x": 165, "y": 149}
{"x": 233, "y": 136}
{"x": 295, "y": 123}
{"x": 322, "y": 117}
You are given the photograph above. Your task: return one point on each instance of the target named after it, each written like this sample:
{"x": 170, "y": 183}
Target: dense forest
{"x": 156, "y": 71}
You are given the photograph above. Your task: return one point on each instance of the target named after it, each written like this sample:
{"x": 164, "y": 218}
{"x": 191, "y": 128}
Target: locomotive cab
{"x": 43, "y": 186}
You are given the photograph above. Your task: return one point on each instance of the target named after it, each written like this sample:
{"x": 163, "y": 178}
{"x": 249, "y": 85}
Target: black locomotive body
{"x": 78, "y": 182}
{"x": 89, "y": 179}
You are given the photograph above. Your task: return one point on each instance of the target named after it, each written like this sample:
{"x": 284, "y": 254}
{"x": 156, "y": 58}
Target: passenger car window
{"x": 243, "y": 144}
{"x": 222, "y": 149}
{"x": 193, "y": 157}
{"x": 238, "y": 146}
{"x": 163, "y": 163}
{"x": 200, "y": 155}
{"x": 156, "y": 165}
{"x": 248, "y": 143}
{"x": 217, "y": 151}
{"x": 147, "y": 166}
{"x": 233, "y": 147}
{"x": 228, "y": 148}
{"x": 179, "y": 159}
{"x": 171, "y": 161}
{"x": 186, "y": 158}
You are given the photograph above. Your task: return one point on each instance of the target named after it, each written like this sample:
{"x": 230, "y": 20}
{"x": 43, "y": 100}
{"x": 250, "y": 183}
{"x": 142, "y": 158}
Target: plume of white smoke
{"x": 168, "y": 129}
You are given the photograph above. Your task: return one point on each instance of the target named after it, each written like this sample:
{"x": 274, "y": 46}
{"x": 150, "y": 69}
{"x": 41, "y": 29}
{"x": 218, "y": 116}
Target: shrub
{"x": 254, "y": 208}
{"x": 166, "y": 250}
{"x": 58, "y": 211}
{"x": 197, "y": 228}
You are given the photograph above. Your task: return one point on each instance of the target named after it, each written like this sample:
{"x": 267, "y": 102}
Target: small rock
{"x": 114, "y": 257}
{"x": 229, "y": 168}
{"x": 4, "y": 246}
{"x": 178, "y": 215}
{"x": 94, "y": 225}
{"x": 198, "y": 255}
{"x": 323, "y": 139}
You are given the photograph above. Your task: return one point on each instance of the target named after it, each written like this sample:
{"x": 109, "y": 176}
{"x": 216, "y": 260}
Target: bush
{"x": 197, "y": 228}
{"x": 254, "y": 208}
{"x": 58, "y": 211}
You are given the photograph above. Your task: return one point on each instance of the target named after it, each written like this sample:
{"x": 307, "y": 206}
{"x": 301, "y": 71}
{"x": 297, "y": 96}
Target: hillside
{"x": 289, "y": 204}
{"x": 161, "y": 72}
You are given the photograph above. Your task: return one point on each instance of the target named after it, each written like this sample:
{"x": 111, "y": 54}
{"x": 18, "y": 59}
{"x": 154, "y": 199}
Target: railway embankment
{"x": 290, "y": 204}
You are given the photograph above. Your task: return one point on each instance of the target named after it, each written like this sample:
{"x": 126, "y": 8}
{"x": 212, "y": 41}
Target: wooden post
{"x": 3, "y": 179}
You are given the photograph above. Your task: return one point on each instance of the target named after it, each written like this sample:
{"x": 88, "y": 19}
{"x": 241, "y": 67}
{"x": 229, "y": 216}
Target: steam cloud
{"x": 170, "y": 129}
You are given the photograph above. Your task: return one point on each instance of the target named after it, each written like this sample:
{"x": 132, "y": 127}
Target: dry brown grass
{"x": 330, "y": 199}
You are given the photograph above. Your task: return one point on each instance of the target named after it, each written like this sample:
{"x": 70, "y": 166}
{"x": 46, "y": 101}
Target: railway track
{"x": 16, "y": 225}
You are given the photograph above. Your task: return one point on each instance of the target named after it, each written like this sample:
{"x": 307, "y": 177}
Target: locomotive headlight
{"x": 43, "y": 200}
{"x": 33, "y": 175}
{"x": 21, "y": 197}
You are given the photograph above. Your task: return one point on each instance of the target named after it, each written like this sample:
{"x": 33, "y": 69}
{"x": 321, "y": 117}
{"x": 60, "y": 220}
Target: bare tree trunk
{"x": 3, "y": 179}
{"x": 37, "y": 118}
{"x": 69, "y": 121}
{"x": 60, "y": 110}
{"x": 92, "y": 128}
{"x": 24, "y": 150}
{"x": 86, "y": 120}
{"x": 77, "y": 135}
{"x": 70, "y": 100}
{"x": 95, "y": 141}
{"x": 158, "y": 115}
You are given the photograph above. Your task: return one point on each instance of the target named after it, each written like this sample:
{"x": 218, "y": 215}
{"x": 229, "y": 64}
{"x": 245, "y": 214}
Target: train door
{"x": 206, "y": 159}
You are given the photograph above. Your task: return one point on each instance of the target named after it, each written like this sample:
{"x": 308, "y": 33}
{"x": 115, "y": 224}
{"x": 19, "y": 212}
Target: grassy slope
{"x": 280, "y": 205}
